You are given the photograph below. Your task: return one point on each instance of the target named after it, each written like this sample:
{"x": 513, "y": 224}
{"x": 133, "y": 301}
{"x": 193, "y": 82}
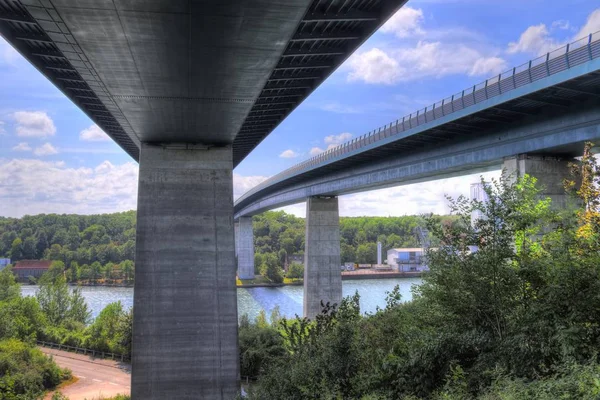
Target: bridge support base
{"x": 185, "y": 309}
{"x": 245, "y": 242}
{"x": 549, "y": 171}
{"x": 322, "y": 275}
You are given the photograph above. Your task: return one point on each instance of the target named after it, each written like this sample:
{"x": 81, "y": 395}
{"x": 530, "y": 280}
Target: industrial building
{"x": 407, "y": 259}
{"x": 25, "y": 268}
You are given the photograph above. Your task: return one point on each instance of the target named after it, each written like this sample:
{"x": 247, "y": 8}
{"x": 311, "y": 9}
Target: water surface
{"x": 251, "y": 300}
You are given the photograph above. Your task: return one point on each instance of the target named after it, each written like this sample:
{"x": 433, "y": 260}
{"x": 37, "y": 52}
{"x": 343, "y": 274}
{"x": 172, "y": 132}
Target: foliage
{"x": 278, "y": 236}
{"x": 111, "y": 330}
{"x": 75, "y": 240}
{"x": 9, "y": 288}
{"x": 25, "y": 372}
{"x": 259, "y": 344}
{"x": 59, "y": 303}
{"x": 510, "y": 310}
{"x": 295, "y": 271}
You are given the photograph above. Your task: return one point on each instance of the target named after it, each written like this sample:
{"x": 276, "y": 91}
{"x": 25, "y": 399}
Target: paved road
{"x": 96, "y": 377}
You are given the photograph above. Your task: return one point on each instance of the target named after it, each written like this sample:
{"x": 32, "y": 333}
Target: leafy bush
{"x": 25, "y": 372}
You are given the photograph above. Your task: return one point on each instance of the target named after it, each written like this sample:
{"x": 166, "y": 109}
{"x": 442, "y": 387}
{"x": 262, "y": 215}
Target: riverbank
{"x": 261, "y": 281}
{"x": 374, "y": 274}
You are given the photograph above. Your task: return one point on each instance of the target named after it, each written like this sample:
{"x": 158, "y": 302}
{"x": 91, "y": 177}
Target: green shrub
{"x": 25, "y": 372}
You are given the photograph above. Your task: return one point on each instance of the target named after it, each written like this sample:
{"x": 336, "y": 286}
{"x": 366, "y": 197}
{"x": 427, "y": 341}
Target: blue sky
{"x": 53, "y": 159}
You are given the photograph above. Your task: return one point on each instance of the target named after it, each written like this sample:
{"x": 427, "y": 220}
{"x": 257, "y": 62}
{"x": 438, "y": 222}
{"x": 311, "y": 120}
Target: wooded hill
{"x": 110, "y": 238}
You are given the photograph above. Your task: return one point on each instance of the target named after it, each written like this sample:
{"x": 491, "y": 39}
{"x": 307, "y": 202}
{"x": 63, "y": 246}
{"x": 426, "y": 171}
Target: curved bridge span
{"x": 547, "y": 107}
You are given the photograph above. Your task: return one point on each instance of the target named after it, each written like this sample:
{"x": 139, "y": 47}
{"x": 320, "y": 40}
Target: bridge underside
{"x": 548, "y": 132}
{"x": 552, "y": 116}
{"x": 188, "y": 88}
{"x": 218, "y": 72}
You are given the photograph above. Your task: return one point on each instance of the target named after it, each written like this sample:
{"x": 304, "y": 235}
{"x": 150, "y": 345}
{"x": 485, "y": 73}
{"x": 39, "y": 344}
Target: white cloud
{"x": 535, "y": 40}
{"x": 421, "y": 198}
{"x": 288, "y": 154}
{"x": 592, "y": 25}
{"x": 45, "y": 150}
{"x": 93, "y": 134}
{"x": 23, "y": 146}
{"x": 331, "y": 141}
{"x": 406, "y": 22}
{"x": 338, "y": 139}
{"x": 30, "y": 186}
{"x": 2, "y": 130}
{"x": 34, "y": 124}
{"x": 425, "y": 59}
{"x": 489, "y": 66}
{"x": 315, "y": 151}
{"x": 561, "y": 24}
{"x": 374, "y": 66}
{"x": 241, "y": 184}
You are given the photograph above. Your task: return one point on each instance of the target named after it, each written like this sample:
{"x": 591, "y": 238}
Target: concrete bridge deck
{"x": 547, "y": 106}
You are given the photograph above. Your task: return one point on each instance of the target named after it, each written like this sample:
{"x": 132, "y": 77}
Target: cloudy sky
{"x": 54, "y": 159}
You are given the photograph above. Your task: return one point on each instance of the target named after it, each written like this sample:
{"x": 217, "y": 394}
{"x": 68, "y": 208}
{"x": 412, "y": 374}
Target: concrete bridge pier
{"x": 322, "y": 276}
{"x": 185, "y": 309}
{"x": 245, "y": 242}
{"x": 549, "y": 171}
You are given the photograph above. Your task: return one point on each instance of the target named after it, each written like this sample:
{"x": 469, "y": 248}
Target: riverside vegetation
{"x": 519, "y": 319}
{"x": 56, "y": 314}
{"x": 99, "y": 249}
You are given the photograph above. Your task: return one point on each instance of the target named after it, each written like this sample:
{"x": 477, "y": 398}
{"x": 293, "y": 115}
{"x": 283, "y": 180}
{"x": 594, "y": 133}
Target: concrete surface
{"x": 245, "y": 248}
{"x": 185, "y": 309}
{"x": 95, "y": 377}
{"x": 322, "y": 277}
{"x": 549, "y": 133}
{"x": 177, "y": 71}
{"x": 549, "y": 171}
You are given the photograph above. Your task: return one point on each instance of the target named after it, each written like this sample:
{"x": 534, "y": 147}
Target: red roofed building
{"x": 25, "y": 268}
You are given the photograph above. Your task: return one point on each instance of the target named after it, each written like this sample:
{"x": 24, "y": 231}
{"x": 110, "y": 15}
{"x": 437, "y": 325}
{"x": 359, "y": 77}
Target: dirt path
{"x": 95, "y": 377}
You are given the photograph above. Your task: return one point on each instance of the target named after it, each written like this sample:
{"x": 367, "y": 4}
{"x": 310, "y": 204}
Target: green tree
{"x": 9, "y": 288}
{"x": 128, "y": 270}
{"x": 366, "y": 253}
{"x": 16, "y": 250}
{"x": 58, "y": 303}
{"x": 295, "y": 271}
{"x": 107, "y": 329}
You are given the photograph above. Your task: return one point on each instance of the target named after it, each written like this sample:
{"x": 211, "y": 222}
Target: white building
{"x": 407, "y": 259}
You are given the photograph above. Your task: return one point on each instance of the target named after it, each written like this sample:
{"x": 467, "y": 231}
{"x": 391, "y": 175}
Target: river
{"x": 251, "y": 300}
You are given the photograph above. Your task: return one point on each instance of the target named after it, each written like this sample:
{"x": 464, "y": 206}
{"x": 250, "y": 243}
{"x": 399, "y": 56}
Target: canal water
{"x": 251, "y": 300}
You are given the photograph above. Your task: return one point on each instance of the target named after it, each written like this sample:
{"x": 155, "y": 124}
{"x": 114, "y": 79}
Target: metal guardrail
{"x": 573, "y": 54}
{"x": 81, "y": 350}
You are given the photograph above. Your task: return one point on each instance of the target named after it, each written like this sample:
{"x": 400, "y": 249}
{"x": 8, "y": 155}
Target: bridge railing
{"x": 573, "y": 54}
{"x": 84, "y": 351}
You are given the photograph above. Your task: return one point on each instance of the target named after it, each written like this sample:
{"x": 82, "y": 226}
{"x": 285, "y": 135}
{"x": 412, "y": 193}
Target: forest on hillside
{"x": 90, "y": 247}
{"x": 102, "y": 247}
{"x": 283, "y": 234}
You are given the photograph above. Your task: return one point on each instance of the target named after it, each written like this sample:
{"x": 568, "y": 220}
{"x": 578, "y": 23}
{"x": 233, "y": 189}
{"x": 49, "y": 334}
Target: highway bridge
{"x": 533, "y": 119}
{"x": 187, "y": 88}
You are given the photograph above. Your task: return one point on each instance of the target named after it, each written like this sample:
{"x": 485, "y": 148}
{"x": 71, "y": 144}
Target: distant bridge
{"x": 548, "y": 106}
{"x": 532, "y": 119}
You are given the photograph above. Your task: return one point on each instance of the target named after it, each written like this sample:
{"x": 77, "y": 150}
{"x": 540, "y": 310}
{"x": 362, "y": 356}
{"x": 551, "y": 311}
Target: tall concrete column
{"x": 549, "y": 171}
{"x": 185, "y": 309}
{"x": 245, "y": 249}
{"x": 322, "y": 275}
